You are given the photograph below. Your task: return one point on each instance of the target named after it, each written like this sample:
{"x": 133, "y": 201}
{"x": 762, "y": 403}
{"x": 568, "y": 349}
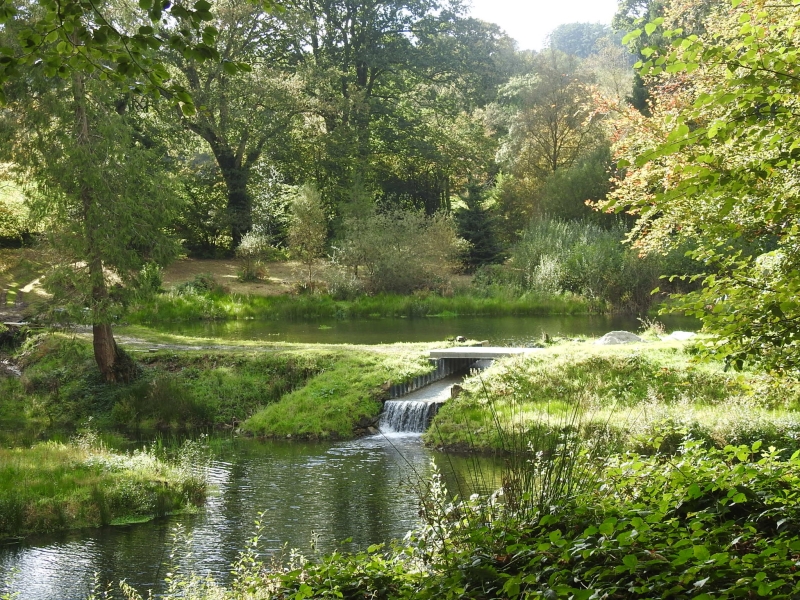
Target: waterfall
{"x": 407, "y": 416}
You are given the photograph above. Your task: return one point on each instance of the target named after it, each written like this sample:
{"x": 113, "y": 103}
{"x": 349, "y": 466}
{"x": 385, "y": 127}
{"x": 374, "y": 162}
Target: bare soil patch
{"x": 280, "y": 279}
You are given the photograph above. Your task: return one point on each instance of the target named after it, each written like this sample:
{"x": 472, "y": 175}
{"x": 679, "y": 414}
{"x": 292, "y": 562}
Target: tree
{"x": 71, "y": 36}
{"x": 717, "y": 164}
{"x": 476, "y": 224}
{"x": 388, "y": 80}
{"x": 550, "y": 124}
{"x": 103, "y": 195}
{"x": 308, "y": 230}
{"x": 399, "y": 251}
{"x": 246, "y": 104}
{"x": 580, "y": 39}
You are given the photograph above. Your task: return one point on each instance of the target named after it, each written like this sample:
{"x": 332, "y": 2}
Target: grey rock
{"x": 680, "y": 335}
{"x": 618, "y": 337}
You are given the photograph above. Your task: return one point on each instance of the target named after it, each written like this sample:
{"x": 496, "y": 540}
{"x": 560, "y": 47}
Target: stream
{"x": 308, "y": 496}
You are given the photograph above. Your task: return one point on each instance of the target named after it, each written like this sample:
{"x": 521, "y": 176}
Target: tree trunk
{"x": 236, "y": 178}
{"x": 114, "y": 364}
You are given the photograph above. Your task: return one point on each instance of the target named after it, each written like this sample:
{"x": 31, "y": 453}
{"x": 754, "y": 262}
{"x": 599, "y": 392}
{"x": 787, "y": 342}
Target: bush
{"x": 252, "y": 251}
{"x": 204, "y": 283}
{"x": 583, "y": 258}
{"x": 399, "y": 251}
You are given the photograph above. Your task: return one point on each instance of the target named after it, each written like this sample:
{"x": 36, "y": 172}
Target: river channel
{"x": 308, "y": 496}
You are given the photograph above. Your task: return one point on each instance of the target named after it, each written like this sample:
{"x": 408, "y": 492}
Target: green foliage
{"x": 565, "y": 194}
{"x": 83, "y": 484}
{"x": 14, "y": 221}
{"x": 308, "y": 230}
{"x": 341, "y": 396}
{"x": 489, "y": 300}
{"x": 555, "y": 256}
{"x": 726, "y": 146}
{"x": 171, "y": 391}
{"x": 629, "y": 396}
{"x": 478, "y": 226}
{"x": 580, "y": 39}
{"x": 253, "y": 252}
{"x": 710, "y": 523}
{"x": 399, "y": 251}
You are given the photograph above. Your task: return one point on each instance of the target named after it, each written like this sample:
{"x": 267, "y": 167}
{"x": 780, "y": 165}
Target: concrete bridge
{"x": 452, "y": 361}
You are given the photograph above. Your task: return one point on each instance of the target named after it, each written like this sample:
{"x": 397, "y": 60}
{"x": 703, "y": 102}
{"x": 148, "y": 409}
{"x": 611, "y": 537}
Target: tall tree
{"x": 100, "y": 191}
{"x": 247, "y": 103}
{"x": 378, "y": 71}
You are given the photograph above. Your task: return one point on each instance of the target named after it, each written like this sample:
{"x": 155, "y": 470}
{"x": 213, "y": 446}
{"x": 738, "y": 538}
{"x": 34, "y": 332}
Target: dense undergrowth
{"x": 81, "y": 483}
{"x": 630, "y": 394}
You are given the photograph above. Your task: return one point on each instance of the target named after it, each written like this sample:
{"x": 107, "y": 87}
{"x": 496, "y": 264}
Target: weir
{"x": 414, "y": 403}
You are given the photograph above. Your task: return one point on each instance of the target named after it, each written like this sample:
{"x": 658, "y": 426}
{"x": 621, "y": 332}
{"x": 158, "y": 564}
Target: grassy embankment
{"x": 310, "y": 390}
{"x": 188, "y": 306}
{"x": 54, "y": 486}
{"x": 629, "y": 395}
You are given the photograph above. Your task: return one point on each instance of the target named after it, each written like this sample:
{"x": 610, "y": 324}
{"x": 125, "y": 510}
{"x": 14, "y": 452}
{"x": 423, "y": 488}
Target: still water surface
{"x": 501, "y": 331}
{"x": 362, "y": 489}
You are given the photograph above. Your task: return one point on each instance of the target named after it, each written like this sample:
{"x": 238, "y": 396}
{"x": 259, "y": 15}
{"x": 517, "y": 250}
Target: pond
{"x": 365, "y": 490}
{"x": 501, "y": 331}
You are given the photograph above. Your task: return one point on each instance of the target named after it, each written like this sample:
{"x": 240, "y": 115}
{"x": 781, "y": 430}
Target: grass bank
{"x": 215, "y": 305}
{"x": 54, "y": 486}
{"x": 300, "y": 390}
{"x": 632, "y": 394}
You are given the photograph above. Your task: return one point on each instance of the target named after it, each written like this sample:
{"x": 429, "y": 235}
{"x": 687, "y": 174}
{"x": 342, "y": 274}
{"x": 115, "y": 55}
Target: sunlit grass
{"x": 635, "y": 394}
{"x": 53, "y": 486}
{"x": 173, "y": 306}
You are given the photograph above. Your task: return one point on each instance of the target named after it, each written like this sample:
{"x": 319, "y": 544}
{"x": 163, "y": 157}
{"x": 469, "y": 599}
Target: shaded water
{"x": 362, "y": 489}
{"x": 500, "y": 331}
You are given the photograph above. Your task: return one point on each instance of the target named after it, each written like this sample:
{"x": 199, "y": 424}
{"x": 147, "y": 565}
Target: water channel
{"x": 500, "y": 331}
{"x": 307, "y": 495}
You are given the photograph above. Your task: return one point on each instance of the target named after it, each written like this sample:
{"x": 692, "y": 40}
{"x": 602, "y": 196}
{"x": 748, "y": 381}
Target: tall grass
{"x": 172, "y": 307}
{"x": 631, "y": 396}
{"x": 582, "y": 258}
{"x": 53, "y": 486}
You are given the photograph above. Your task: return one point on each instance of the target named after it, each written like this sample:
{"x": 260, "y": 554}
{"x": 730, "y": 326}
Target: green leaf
{"x": 630, "y": 561}
{"x": 701, "y": 553}
{"x": 629, "y": 37}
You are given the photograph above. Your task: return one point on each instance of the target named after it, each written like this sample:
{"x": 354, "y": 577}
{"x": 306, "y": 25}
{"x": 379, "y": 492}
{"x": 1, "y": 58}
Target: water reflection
{"x": 501, "y": 331}
{"x": 364, "y": 490}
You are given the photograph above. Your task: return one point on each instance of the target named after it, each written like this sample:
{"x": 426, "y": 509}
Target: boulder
{"x": 618, "y": 337}
{"x": 680, "y": 335}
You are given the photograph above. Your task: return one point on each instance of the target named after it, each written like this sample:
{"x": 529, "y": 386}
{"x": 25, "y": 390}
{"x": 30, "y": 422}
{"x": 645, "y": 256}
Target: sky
{"x": 529, "y": 21}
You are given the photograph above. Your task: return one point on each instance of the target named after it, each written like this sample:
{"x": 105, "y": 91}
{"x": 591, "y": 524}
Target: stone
{"x": 680, "y": 335}
{"x": 618, "y": 337}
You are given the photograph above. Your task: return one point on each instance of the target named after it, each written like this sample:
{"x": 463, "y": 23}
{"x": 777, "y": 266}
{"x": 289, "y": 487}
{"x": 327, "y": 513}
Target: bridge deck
{"x": 479, "y": 352}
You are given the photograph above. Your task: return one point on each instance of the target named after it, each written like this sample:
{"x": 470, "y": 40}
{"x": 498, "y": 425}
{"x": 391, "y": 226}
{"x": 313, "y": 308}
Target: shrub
{"x": 252, "y": 251}
{"x": 586, "y": 259}
{"x": 399, "y": 251}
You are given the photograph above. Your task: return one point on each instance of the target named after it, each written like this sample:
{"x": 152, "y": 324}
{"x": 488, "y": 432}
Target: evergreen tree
{"x": 477, "y": 225}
